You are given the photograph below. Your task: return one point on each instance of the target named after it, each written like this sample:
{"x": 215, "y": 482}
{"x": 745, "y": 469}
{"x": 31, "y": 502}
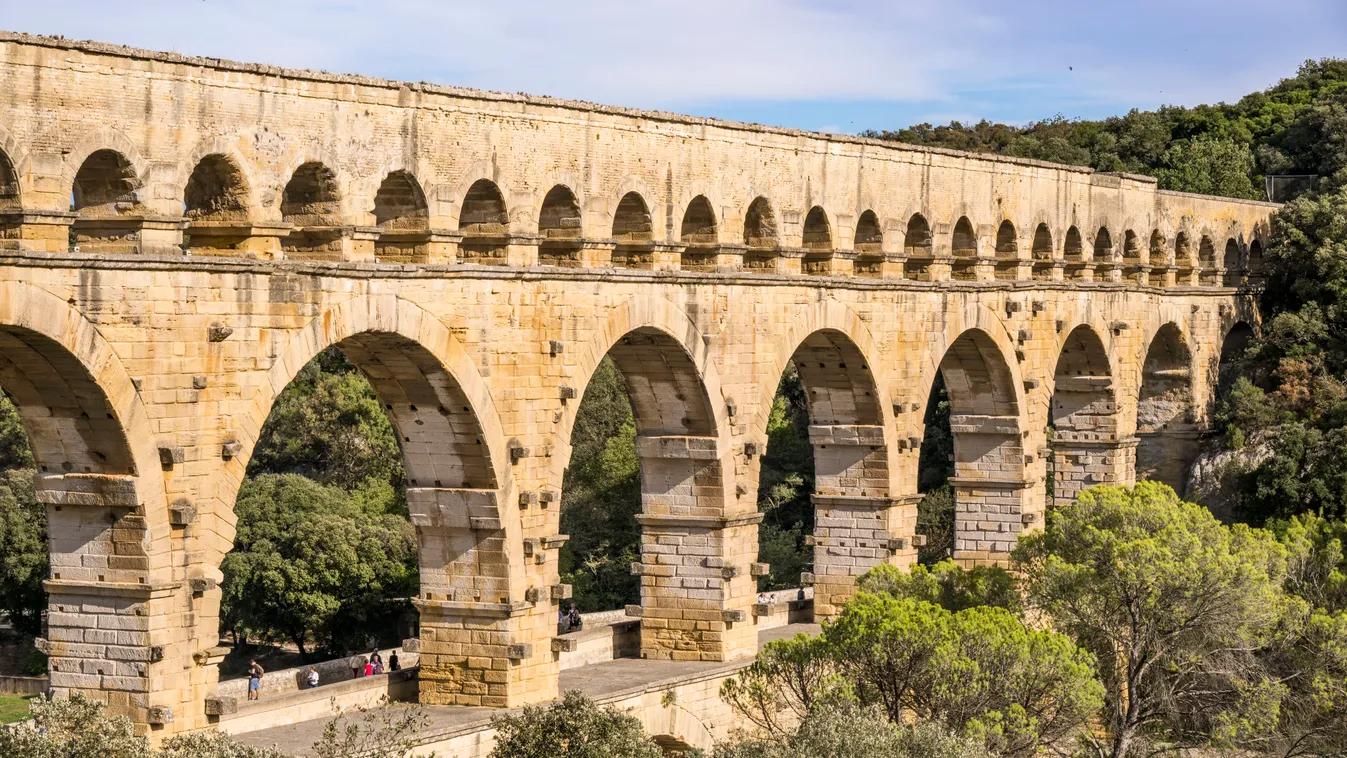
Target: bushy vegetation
{"x": 574, "y": 727}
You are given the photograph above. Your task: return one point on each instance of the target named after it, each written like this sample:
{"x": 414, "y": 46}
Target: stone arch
{"x": 964, "y": 249}
{"x": 1206, "y": 261}
{"x": 1007, "y": 251}
{"x": 1230, "y": 363}
{"x": 483, "y": 211}
{"x": 990, "y": 483}
{"x": 761, "y": 231}
{"x": 1073, "y": 252}
{"x": 11, "y": 199}
{"x": 699, "y": 223}
{"x": 1043, "y": 253}
{"x": 631, "y": 219}
{"x": 817, "y": 232}
{"x": 100, "y": 475}
{"x": 400, "y": 203}
{"x": 106, "y": 184}
{"x": 919, "y": 250}
{"x": 136, "y": 168}
{"x": 869, "y": 237}
{"x": 676, "y": 729}
{"x": 1231, "y": 263}
{"x": 1104, "y": 264}
{"x": 1084, "y": 418}
{"x": 312, "y": 196}
{"x": 559, "y": 218}
{"x": 1255, "y": 261}
{"x": 1157, "y": 258}
{"x": 217, "y": 190}
{"x": 1166, "y": 432}
{"x": 15, "y": 160}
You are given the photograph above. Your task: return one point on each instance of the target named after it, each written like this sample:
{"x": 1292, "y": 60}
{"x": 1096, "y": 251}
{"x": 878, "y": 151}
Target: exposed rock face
{"x": 1213, "y": 477}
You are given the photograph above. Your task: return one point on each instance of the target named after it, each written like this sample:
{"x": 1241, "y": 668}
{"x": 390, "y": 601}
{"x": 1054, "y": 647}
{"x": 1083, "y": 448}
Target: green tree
{"x": 14, "y": 449}
{"x": 946, "y": 584}
{"x": 328, "y": 425}
{"x": 319, "y": 566}
{"x": 1172, "y": 603}
{"x": 23, "y": 552}
{"x": 980, "y": 671}
{"x": 575, "y": 727}
{"x": 842, "y": 729}
{"x": 935, "y": 465}
{"x": 1210, "y": 167}
{"x": 787, "y": 680}
{"x": 73, "y": 728}
{"x": 785, "y": 483}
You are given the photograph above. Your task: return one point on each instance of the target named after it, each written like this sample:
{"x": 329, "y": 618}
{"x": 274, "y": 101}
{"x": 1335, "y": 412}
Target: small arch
{"x": 559, "y": 218}
{"x": 631, "y": 222}
{"x": 484, "y": 212}
{"x": 1073, "y": 250}
{"x": 312, "y": 197}
{"x": 1255, "y": 264}
{"x": 216, "y": 190}
{"x": 400, "y": 204}
{"x": 918, "y": 248}
{"x": 965, "y": 242}
{"x": 1184, "y": 260}
{"x": 1007, "y": 252}
{"x": 1166, "y": 433}
{"x": 1042, "y": 253}
{"x": 1134, "y": 258}
{"x": 760, "y": 232}
{"x": 1231, "y": 365}
{"x": 1157, "y": 259}
{"x": 817, "y": 233}
{"x": 699, "y": 223}
{"x": 9, "y": 184}
{"x": 1234, "y": 272}
{"x": 1206, "y": 261}
{"x": 869, "y": 239}
{"x": 105, "y": 185}
{"x": 1103, "y": 246}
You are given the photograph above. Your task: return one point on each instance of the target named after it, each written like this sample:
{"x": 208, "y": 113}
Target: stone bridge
{"x": 179, "y": 236}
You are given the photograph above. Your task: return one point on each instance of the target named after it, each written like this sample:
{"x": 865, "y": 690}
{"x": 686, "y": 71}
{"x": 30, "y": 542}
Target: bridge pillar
{"x": 857, "y": 525}
{"x": 697, "y": 562}
{"x": 475, "y": 639}
{"x": 331, "y": 243}
{"x": 1167, "y": 455}
{"x": 114, "y": 633}
{"x": 146, "y": 235}
{"x": 993, "y": 502}
{"x": 252, "y": 239}
{"x": 1079, "y": 463}
{"x": 38, "y": 231}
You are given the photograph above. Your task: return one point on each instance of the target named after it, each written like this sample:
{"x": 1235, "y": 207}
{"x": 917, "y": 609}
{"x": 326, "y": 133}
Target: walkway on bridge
{"x": 604, "y": 682}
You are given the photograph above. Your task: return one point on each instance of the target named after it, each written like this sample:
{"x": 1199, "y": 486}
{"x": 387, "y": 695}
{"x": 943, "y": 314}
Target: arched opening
{"x": 1167, "y": 435}
{"x": 760, "y": 234}
{"x": 1043, "y": 254}
{"x": 312, "y": 202}
{"x": 403, "y": 218}
{"x": 989, "y": 483}
{"x": 559, "y": 226}
{"x": 633, "y": 232}
{"x": 935, "y": 468}
{"x": 642, "y": 491}
{"x": 104, "y": 196}
{"x": 1184, "y": 260}
{"x": 699, "y": 235}
{"x": 374, "y": 480}
{"x": 918, "y": 250}
{"x": 1158, "y": 260}
{"x": 1104, "y": 264}
{"x": 1074, "y": 252}
{"x": 964, "y": 247}
{"x": 1233, "y": 274}
{"x": 10, "y": 202}
{"x": 869, "y": 246}
{"x": 215, "y": 203}
{"x": 1084, "y": 424}
{"x": 1255, "y": 262}
{"x": 843, "y": 454}
{"x": 1206, "y": 262}
{"x": 1007, "y": 252}
{"x": 485, "y": 225}
{"x": 72, "y": 521}
{"x": 817, "y": 240}
{"x": 1233, "y": 360}
{"x": 1134, "y": 258}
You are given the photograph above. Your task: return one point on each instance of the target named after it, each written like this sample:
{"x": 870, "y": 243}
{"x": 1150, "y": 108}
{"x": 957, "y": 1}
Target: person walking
{"x": 312, "y": 677}
{"x": 369, "y": 668}
{"x": 255, "y": 673}
{"x": 393, "y": 664}
{"x": 357, "y": 665}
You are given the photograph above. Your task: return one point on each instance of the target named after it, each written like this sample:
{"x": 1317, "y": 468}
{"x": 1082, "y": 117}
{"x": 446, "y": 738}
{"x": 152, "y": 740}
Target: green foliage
{"x": 1173, "y": 604}
{"x": 23, "y": 552}
{"x": 600, "y": 497}
{"x": 14, "y": 450}
{"x": 980, "y": 671}
{"x": 575, "y": 727}
{"x": 212, "y": 744}
{"x": 74, "y": 728}
{"x": 946, "y": 584}
{"x": 1316, "y": 566}
{"x": 842, "y": 729}
{"x": 785, "y": 482}
{"x": 386, "y": 731}
{"x": 935, "y": 465}
{"x": 1298, "y": 126}
{"x": 329, "y": 426}
{"x": 315, "y": 562}
{"x": 788, "y": 680}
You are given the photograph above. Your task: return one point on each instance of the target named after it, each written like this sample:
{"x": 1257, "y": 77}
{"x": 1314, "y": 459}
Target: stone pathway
{"x": 601, "y": 681}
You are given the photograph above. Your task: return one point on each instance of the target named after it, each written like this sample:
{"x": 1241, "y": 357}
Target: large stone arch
{"x": 676, "y": 728}
{"x": 859, "y": 516}
{"x": 1166, "y": 426}
{"x": 459, "y": 481}
{"x": 1087, "y": 448}
{"x": 116, "y": 553}
{"x": 991, "y": 483}
{"x": 698, "y": 536}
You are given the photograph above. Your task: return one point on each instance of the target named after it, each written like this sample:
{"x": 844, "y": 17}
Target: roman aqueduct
{"x": 179, "y": 236}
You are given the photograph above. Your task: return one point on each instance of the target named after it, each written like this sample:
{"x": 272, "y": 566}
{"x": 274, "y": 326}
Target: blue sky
{"x": 845, "y": 65}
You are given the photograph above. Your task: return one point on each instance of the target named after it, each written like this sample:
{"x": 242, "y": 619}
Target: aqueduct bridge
{"x": 181, "y": 235}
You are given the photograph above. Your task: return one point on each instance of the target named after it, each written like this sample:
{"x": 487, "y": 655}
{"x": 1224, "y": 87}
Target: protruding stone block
{"x": 181, "y": 514}
{"x": 412, "y": 645}
{"x": 519, "y": 652}
{"x": 171, "y": 456}
{"x": 202, "y": 584}
{"x": 221, "y": 706}
{"x": 564, "y": 645}
{"x": 759, "y": 569}
{"x": 634, "y": 611}
{"x": 733, "y": 616}
{"x": 561, "y": 591}
{"x": 230, "y": 450}
{"x": 218, "y": 332}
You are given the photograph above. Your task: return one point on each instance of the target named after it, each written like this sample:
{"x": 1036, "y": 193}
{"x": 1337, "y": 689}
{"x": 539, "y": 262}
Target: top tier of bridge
{"x": 107, "y": 149}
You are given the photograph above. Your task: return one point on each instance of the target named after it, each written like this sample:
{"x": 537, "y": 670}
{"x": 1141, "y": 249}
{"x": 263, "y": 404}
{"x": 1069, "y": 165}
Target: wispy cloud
{"x": 848, "y": 63}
